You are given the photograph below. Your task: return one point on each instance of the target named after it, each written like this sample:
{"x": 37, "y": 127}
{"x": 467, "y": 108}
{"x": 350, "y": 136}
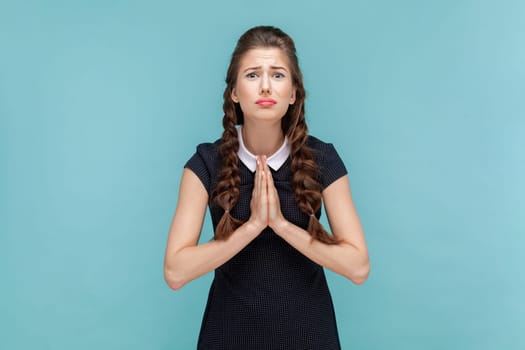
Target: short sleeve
{"x": 204, "y": 164}
{"x": 331, "y": 166}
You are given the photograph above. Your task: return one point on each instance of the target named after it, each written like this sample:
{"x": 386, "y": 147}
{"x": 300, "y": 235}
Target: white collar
{"x": 275, "y": 161}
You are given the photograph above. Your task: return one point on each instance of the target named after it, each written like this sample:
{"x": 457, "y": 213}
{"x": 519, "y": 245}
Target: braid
{"x": 227, "y": 191}
{"x": 305, "y": 175}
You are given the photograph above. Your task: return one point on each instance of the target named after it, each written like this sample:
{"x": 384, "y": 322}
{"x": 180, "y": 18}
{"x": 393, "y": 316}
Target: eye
{"x": 251, "y": 75}
{"x": 279, "y": 75}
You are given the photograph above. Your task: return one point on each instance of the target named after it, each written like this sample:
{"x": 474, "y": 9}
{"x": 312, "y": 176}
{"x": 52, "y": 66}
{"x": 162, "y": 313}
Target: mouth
{"x": 266, "y": 102}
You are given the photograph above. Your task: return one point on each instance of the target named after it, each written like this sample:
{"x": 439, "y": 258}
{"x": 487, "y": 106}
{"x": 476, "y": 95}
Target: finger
{"x": 262, "y": 179}
{"x": 273, "y": 196}
{"x": 260, "y": 175}
{"x": 255, "y": 204}
{"x": 264, "y": 182}
{"x": 271, "y": 190}
{"x": 269, "y": 176}
{"x": 263, "y": 164}
{"x": 256, "y": 175}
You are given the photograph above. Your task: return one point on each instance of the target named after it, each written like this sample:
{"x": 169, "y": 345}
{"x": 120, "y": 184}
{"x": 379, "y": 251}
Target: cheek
{"x": 243, "y": 91}
{"x": 286, "y": 89}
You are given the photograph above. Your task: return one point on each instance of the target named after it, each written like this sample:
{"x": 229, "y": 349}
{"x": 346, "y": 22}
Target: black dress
{"x": 269, "y": 296}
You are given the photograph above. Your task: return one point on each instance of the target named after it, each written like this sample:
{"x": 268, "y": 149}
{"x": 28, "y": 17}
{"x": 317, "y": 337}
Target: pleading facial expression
{"x": 264, "y": 87}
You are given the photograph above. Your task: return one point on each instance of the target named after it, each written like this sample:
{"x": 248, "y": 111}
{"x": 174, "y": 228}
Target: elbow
{"x": 360, "y": 275}
{"x": 173, "y": 280}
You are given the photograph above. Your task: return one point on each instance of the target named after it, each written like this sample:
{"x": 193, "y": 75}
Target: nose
{"x": 265, "y": 87}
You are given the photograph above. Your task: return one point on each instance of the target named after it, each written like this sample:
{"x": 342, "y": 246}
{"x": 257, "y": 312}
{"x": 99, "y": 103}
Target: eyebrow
{"x": 259, "y": 67}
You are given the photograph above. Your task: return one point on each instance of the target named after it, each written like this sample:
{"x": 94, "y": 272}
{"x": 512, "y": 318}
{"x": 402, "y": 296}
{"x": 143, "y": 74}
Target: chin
{"x": 268, "y": 115}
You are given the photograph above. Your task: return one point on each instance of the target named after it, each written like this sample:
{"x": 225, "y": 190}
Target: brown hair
{"x": 305, "y": 172}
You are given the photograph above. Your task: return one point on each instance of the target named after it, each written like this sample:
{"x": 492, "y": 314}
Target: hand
{"x": 259, "y": 202}
{"x": 275, "y": 216}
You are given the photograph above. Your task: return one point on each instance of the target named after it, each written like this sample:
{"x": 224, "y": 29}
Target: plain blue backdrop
{"x": 102, "y": 102}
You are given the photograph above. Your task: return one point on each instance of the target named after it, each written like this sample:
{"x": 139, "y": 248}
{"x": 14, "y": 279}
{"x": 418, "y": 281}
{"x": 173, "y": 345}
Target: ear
{"x": 234, "y": 96}
{"x": 292, "y": 98}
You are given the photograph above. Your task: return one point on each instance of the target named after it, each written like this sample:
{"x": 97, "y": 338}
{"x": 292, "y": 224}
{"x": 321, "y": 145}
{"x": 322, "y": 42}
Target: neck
{"x": 262, "y": 139}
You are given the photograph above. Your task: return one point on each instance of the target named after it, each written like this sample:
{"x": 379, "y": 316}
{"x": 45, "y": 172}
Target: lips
{"x": 266, "y": 102}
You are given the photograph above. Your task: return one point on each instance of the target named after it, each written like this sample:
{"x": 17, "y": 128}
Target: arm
{"x": 349, "y": 258}
{"x": 184, "y": 259}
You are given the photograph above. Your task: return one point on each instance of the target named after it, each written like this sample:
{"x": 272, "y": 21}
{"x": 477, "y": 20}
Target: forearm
{"x": 343, "y": 258}
{"x": 191, "y": 262}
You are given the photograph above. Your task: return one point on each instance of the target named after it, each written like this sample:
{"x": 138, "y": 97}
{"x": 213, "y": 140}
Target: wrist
{"x": 280, "y": 226}
{"x": 254, "y": 227}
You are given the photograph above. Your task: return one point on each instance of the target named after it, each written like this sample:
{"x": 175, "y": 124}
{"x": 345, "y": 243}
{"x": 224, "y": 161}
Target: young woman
{"x": 264, "y": 182}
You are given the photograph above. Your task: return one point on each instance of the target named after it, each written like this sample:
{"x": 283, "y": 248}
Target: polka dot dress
{"x": 269, "y": 295}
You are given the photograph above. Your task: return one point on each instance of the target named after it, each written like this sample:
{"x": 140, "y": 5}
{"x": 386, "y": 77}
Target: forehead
{"x": 262, "y": 56}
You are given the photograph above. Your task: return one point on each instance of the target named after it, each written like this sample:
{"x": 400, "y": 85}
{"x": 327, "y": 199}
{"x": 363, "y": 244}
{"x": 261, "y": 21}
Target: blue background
{"x": 102, "y": 102}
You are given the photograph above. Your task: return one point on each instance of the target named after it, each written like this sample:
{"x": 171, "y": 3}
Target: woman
{"x": 264, "y": 182}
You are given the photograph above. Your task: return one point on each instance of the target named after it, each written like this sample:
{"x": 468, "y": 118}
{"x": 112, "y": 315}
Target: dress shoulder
{"x": 331, "y": 166}
{"x": 205, "y": 163}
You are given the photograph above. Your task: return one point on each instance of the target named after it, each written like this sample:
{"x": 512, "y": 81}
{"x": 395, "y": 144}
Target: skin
{"x": 264, "y": 72}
